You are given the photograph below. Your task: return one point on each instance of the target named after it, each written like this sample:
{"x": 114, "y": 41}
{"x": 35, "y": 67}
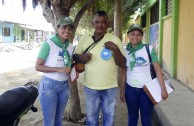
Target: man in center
{"x": 102, "y": 62}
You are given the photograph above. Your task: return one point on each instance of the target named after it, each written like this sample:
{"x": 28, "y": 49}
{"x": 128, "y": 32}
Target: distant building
{"x": 16, "y": 32}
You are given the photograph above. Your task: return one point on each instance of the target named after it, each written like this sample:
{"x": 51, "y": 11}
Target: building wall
{"x": 18, "y": 32}
{"x": 0, "y": 31}
{"x": 24, "y": 32}
{"x": 176, "y": 39}
{"x": 166, "y": 57}
{"x": 185, "y": 59}
{"x": 7, "y": 38}
{"x": 153, "y": 36}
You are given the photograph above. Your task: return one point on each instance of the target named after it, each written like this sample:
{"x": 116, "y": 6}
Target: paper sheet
{"x": 73, "y": 74}
{"x": 155, "y": 89}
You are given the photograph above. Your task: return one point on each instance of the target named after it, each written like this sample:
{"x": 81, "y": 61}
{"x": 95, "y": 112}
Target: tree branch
{"x": 81, "y": 12}
{"x": 46, "y": 11}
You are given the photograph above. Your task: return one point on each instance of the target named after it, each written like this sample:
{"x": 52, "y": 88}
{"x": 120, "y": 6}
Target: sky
{"x": 12, "y": 11}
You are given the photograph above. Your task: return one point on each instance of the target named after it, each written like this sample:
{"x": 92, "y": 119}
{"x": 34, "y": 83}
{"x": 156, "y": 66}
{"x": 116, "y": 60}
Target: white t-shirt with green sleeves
{"x": 99, "y": 74}
{"x": 140, "y": 75}
{"x": 52, "y": 53}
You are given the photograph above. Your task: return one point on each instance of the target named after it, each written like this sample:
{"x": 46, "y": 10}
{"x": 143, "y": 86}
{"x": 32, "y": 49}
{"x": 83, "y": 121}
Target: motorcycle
{"x": 16, "y": 102}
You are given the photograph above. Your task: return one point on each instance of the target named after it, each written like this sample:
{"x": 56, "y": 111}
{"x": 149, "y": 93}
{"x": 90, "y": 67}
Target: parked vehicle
{"x": 16, "y": 102}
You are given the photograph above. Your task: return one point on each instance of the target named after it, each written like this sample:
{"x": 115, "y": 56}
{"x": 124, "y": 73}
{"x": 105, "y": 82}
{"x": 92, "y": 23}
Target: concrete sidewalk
{"x": 178, "y": 109}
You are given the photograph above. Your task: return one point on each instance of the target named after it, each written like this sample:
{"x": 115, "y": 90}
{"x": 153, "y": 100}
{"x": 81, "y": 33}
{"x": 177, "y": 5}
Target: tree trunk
{"x": 118, "y": 19}
{"x": 73, "y": 109}
{"x": 118, "y": 27}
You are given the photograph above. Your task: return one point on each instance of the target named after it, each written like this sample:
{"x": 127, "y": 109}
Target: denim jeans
{"x": 137, "y": 99}
{"x": 53, "y": 97}
{"x": 100, "y": 99}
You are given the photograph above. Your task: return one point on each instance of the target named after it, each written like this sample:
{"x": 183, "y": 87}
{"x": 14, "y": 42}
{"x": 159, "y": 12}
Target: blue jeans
{"x": 53, "y": 97}
{"x": 137, "y": 99}
{"x": 100, "y": 99}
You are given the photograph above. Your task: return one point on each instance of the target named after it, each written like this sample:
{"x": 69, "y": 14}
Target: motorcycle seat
{"x": 15, "y": 101}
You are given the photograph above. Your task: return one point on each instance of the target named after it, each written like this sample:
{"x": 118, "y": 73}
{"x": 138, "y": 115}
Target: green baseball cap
{"x": 135, "y": 27}
{"x": 64, "y": 21}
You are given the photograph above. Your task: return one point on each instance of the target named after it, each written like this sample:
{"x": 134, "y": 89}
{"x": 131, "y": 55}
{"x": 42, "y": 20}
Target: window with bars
{"x": 154, "y": 13}
{"x": 6, "y": 31}
{"x": 143, "y": 21}
{"x": 168, "y": 7}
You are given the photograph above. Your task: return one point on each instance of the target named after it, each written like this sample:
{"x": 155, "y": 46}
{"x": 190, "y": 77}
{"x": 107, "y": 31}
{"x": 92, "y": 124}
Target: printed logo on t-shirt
{"x": 140, "y": 61}
{"x": 60, "y": 56}
{"x": 61, "y": 53}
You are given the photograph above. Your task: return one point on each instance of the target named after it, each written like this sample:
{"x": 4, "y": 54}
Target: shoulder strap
{"x": 148, "y": 52}
{"x": 152, "y": 70}
{"x": 95, "y": 42}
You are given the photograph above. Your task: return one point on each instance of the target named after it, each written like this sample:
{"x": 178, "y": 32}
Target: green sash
{"x": 66, "y": 55}
{"x": 132, "y": 52}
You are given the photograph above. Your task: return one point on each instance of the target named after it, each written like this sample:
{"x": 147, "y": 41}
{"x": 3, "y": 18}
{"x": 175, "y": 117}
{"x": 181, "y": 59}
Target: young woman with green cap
{"x": 138, "y": 74}
{"x": 54, "y": 60}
